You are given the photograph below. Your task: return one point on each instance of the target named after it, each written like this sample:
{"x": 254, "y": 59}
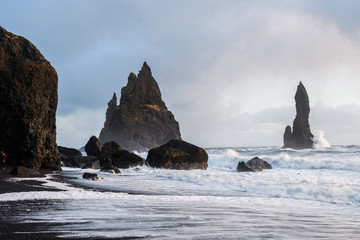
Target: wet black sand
{"x": 13, "y": 212}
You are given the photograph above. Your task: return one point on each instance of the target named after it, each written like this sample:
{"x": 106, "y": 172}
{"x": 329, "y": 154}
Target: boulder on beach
{"x": 69, "y": 152}
{"x": 125, "y": 159}
{"x": 110, "y": 147}
{"x": 28, "y": 104}
{"x": 142, "y": 120}
{"x": 93, "y": 146}
{"x": 254, "y": 165}
{"x": 24, "y": 171}
{"x": 178, "y": 154}
{"x": 300, "y": 136}
{"x": 107, "y": 166}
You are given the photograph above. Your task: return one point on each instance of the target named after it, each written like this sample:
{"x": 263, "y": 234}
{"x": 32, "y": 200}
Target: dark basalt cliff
{"x": 142, "y": 120}
{"x": 301, "y": 136}
{"x": 28, "y": 93}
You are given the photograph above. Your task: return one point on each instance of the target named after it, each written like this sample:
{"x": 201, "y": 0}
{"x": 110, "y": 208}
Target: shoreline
{"x": 26, "y": 185}
{"x": 10, "y": 211}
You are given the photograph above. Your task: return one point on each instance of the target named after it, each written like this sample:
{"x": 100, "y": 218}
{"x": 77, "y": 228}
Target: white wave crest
{"x": 319, "y": 140}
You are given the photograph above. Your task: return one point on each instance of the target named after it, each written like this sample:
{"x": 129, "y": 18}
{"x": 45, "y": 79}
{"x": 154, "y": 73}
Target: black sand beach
{"x": 11, "y": 211}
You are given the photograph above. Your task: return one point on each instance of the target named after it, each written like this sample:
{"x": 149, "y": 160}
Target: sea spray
{"x": 319, "y": 141}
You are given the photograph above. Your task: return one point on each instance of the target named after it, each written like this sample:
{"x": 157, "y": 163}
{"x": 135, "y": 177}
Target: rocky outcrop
{"x": 28, "y": 104}
{"x": 300, "y": 137}
{"x": 110, "y": 147}
{"x": 125, "y": 159}
{"x": 254, "y": 165}
{"x": 178, "y": 154}
{"x": 142, "y": 120}
{"x": 69, "y": 152}
{"x": 93, "y": 146}
{"x": 110, "y": 155}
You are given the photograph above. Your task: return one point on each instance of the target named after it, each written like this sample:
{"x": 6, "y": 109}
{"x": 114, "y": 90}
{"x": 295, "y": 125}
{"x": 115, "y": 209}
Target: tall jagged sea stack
{"x": 28, "y": 87}
{"x": 142, "y": 120}
{"x": 300, "y": 137}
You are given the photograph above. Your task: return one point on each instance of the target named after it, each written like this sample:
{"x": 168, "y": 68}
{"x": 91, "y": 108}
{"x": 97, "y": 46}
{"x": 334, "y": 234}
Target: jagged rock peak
{"x": 143, "y": 86}
{"x": 300, "y": 137}
{"x": 142, "y": 120}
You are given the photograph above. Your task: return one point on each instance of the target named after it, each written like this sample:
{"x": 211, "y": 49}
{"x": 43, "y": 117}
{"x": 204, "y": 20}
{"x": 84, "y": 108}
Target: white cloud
{"x": 75, "y": 129}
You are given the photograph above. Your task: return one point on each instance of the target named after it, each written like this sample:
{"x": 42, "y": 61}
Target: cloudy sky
{"x": 228, "y": 70}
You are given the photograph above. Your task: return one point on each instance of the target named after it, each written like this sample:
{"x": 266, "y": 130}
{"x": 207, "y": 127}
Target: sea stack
{"x": 28, "y": 87}
{"x": 300, "y": 137}
{"x": 142, "y": 120}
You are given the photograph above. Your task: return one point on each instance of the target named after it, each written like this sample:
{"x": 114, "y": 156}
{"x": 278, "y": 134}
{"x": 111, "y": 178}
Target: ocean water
{"x": 308, "y": 194}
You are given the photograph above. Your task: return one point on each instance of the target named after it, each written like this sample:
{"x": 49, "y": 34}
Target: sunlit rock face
{"x": 28, "y": 93}
{"x": 300, "y": 137}
{"x": 142, "y": 120}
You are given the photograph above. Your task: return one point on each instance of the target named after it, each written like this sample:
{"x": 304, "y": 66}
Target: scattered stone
{"x": 254, "y": 165}
{"x": 28, "y": 104}
{"x": 24, "y": 171}
{"x": 142, "y": 120}
{"x": 93, "y": 147}
{"x": 301, "y": 136}
{"x": 178, "y": 154}
{"x": 90, "y": 176}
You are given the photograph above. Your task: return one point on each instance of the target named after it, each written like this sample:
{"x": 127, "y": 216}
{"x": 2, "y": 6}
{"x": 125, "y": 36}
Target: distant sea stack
{"x": 142, "y": 120}
{"x": 300, "y": 137}
{"x": 28, "y": 92}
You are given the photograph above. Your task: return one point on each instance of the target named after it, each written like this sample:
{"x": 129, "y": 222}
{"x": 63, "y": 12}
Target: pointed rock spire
{"x": 300, "y": 137}
{"x": 142, "y": 120}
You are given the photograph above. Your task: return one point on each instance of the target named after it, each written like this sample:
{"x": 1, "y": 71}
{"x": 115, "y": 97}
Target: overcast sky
{"x": 228, "y": 70}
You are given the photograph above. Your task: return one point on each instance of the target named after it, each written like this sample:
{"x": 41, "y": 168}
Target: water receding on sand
{"x": 307, "y": 194}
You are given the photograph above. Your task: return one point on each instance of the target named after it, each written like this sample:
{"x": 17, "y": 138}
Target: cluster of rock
{"x": 142, "y": 120}
{"x": 108, "y": 157}
{"x": 300, "y": 137}
{"x": 176, "y": 154}
{"x": 28, "y": 104}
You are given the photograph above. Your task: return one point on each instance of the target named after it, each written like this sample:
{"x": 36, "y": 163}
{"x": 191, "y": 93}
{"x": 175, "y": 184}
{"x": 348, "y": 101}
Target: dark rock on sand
{"x": 142, "y": 120}
{"x": 110, "y": 147}
{"x": 125, "y": 159}
{"x": 93, "y": 147}
{"x": 178, "y": 154}
{"x": 82, "y": 162}
{"x": 28, "y": 104}
{"x": 69, "y": 152}
{"x": 91, "y": 176}
{"x": 107, "y": 166}
{"x": 254, "y": 165}
{"x": 301, "y": 136}
{"x": 24, "y": 171}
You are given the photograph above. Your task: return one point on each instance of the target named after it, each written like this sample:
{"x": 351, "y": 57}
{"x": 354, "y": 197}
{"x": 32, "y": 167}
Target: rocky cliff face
{"x": 28, "y": 93}
{"x": 142, "y": 120}
{"x": 300, "y": 137}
